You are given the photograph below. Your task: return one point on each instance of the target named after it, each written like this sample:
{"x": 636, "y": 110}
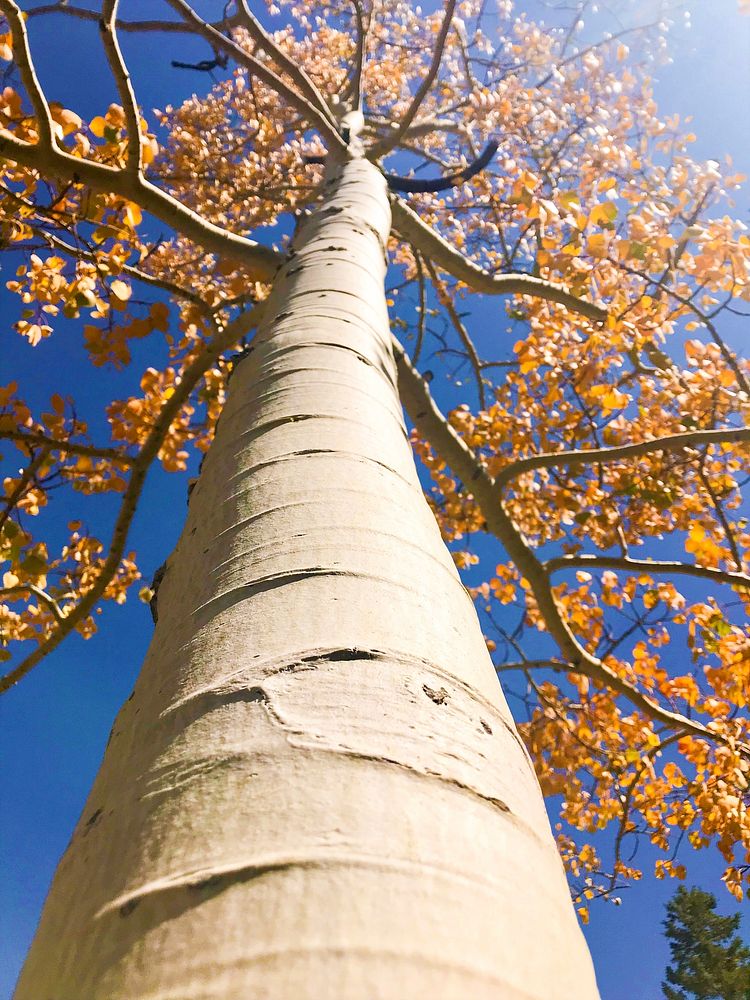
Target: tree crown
{"x": 604, "y": 443}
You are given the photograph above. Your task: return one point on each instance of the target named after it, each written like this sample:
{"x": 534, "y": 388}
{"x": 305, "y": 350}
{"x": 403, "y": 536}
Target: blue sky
{"x": 54, "y": 725}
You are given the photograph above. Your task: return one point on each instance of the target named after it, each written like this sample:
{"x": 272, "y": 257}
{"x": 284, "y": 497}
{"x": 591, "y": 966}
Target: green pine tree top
{"x": 708, "y": 958}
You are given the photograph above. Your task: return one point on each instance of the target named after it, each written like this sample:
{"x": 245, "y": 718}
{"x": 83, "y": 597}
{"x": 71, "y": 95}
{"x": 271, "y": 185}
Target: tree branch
{"x": 559, "y": 666}
{"x": 108, "y": 31}
{"x": 203, "y": 65}
{"x": 41, "y": 595}
{"x": 24, "y": 61}
{"x": 190, "y": 378}
{"x": 133, "y": 272}
{"x": 263, "y": 261}
{"x": 84, "y": 14}
{"x": 461, "y": 330}
{"x": 415, "y": 185}
{"x": 646, "y": 566}
{"x": 27, "y": 478}
{"x": 297, "y": 74}
{"x": 434, "y": 427}
{"x": 34, "y": 438}
{"x": 592, "y": 456}
{"x": 422, "y": 323}
{"x": 354, "y": 88}
{"x": 582, "y": 53}
{"x": 432, "y": 245}
{"x": 425, "y": 126}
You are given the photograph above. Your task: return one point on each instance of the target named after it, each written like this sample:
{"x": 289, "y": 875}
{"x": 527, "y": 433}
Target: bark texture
{"x": 315, "y": 791}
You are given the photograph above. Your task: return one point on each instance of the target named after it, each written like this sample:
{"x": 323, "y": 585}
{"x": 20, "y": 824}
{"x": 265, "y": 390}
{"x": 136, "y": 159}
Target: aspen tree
{"x": 316, "y": 788}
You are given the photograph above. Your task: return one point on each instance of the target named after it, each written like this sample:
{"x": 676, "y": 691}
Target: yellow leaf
{"x": 97, "y": 126}
{"x": 614, "y": 400}
{"x": 121, "y": 289}
{"x": 133, "y": 214}
{"x": 160, "y": 316}
{"x": 10, "y": 579}
{"x": 603, "y": 214}
{"x": 148, "y": 152}
{"x": 597, "y": 245}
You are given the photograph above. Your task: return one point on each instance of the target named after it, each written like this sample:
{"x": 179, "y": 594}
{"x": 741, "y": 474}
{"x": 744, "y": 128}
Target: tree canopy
{"x": 598, "y": 431}
{"x": 710, "y": 962}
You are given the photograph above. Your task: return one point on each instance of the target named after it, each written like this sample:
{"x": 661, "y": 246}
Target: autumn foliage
{"x": 612, "y": 438}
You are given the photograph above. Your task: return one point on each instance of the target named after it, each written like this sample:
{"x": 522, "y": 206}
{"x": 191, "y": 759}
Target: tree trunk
{"x": 315, "y": 791}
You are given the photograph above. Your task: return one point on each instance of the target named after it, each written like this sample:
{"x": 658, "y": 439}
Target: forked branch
{"x": 294, "y": 71}
{"x": 432, "y": 245}
{"x": 411, "y": 112}
{"x": 434, "y": 427}
{"x": 316, "y": 114}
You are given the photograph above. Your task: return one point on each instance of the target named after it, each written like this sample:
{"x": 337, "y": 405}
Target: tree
{"x": 710, "y": 961}
{"x": 317, "y": 727}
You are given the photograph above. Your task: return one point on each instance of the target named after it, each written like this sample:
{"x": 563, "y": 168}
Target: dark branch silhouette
{"x": 204, "y": 66}
{"x": 415, "y": 185}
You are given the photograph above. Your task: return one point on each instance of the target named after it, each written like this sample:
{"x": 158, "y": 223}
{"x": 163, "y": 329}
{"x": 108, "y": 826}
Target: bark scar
{"x": 440, "y": 697}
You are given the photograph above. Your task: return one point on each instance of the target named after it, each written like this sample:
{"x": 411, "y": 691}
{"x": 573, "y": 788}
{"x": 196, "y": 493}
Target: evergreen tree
{"x": 709, "y": 960}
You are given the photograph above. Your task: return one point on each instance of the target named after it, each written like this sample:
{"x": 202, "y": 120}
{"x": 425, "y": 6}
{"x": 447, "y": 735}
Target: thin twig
{"x": 26, "y": 480}
{"x": 41, "y": 595}
{"x": 411, "y": 112}
{"x": 461, "y": 330}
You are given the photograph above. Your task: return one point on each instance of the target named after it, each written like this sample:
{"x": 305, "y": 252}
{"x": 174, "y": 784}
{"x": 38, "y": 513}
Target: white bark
{"x": 316, "y": 791}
